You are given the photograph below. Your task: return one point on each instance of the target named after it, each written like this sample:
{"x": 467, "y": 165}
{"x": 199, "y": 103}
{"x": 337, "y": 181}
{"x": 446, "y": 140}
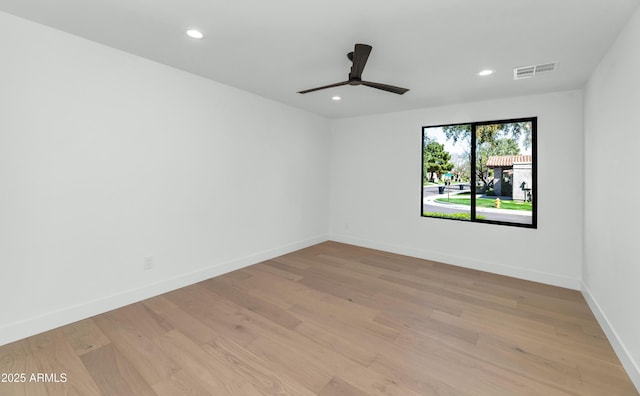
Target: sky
{"x": 435, "y": 133}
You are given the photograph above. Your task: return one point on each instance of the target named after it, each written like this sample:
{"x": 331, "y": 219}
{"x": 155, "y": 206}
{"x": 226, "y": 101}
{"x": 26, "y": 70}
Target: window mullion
{"x": 473, "y": 181}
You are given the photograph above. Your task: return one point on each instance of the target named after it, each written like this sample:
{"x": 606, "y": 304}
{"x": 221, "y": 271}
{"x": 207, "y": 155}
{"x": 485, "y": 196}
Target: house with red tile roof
{"x": 512, "y": 175}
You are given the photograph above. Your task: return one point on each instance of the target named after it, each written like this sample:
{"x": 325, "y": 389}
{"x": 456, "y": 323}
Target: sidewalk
{"x": 431, "y": 200}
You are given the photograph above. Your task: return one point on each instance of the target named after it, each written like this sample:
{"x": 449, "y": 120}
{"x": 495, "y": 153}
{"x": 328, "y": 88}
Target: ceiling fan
{"x": 359, "y": 58}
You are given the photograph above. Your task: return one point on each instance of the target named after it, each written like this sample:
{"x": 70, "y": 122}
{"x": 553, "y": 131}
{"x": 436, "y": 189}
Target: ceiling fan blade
{"x": 324, "y": 87}
{"x": 359, "y": 58}
{"x": 385, "y": 87}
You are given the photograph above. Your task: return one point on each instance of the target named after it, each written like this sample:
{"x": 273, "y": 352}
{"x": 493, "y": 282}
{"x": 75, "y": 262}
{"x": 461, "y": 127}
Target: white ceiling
{"x": 276, "y": 48}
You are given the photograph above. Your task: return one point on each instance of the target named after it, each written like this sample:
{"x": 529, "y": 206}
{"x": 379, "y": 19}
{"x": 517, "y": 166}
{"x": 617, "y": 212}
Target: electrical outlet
{"x": 148, "y": 263}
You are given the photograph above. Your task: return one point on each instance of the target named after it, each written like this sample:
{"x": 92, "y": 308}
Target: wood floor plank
{"x": 114, "y": 374}
{"x": 536, "y": 344}
{"x": 270, "y": 311}
{"x": 374, "y": 383}
{"x": 17, "y": 364}
{"x": 541, "y": 369}
{"x": 308, "y": 352}
{"x": 84, "y": 336}
{"x": 253, "y": 369}
{"x": 13, "y": 351}
{"x": 147, "y": 322}
{"x": 180, "y": 383}
{"x": 339, "y": 387}
{"x": 210, "y": 373}
{"x": 54, "y": 356}
{"x": 288, "y": 360}
{"x": 430, "y": 327}
{"x": 139, "y": 350}
{"x": 223, "y": 316}
{"x": 161, "y": 305}
{"x": 535, "y": 334}
{"x": 332, "y": 319}
{"x": 365, "y": 335}
{"x": 475, "y": 376}
{"x": 273, "y": 271}
{"x": 415, "y": 377}
{"x": 186, "y": 323}
{"x": 292, "y": 262}
{"x": 337, "y": 342}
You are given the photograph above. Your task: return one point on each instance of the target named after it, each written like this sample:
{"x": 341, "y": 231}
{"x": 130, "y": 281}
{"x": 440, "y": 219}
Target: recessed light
{"x": 195, "y": 33}
{"x": 336, "y": 98}
{"x": 485, "y": 73}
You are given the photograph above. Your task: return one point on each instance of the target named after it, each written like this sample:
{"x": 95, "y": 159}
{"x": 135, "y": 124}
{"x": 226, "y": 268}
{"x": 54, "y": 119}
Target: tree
{"x": 491, "y": 132}
{"x": 436, "y": 160}
{"x": 504, "y": 147}
{"x": 462, "y": 166}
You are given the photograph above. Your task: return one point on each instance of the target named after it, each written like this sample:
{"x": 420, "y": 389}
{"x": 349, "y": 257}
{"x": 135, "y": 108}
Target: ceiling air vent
{"x": 523, "y": 72}
{"x": 530, "y": 71}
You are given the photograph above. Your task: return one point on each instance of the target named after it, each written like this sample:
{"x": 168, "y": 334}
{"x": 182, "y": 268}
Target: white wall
{"x": 106, "y": 158}
{"x": 611, "y": 273}
{"x": 376, "y": 182}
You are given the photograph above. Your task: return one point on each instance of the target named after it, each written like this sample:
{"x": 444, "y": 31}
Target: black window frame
{"x": 534, "y": 172}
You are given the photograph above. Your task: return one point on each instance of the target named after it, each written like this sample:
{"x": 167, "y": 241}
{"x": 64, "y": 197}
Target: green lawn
{"x": 488, "y": 203}
{"x": 457, "y": 216}
{"x": 453, "y": 184}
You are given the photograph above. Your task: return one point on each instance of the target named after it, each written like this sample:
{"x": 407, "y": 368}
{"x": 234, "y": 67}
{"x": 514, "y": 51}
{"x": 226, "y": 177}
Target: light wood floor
{"x": 332, "y": 319}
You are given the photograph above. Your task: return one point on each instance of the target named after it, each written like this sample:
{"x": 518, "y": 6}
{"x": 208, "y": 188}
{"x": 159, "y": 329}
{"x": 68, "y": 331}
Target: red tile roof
{"x": 506, "y": 161}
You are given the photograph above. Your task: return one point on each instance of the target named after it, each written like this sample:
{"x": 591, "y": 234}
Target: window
{"x": 481, "y": 172}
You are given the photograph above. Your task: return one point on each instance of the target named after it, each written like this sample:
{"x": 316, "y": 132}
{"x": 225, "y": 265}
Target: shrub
{"x": 457, "y": 216}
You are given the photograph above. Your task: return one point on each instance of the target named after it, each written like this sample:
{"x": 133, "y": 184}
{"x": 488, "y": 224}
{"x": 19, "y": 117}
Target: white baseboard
{"x": 51, "y": 320}
{"x": 629, "y": 364}
{"x": 467, "y": 262}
